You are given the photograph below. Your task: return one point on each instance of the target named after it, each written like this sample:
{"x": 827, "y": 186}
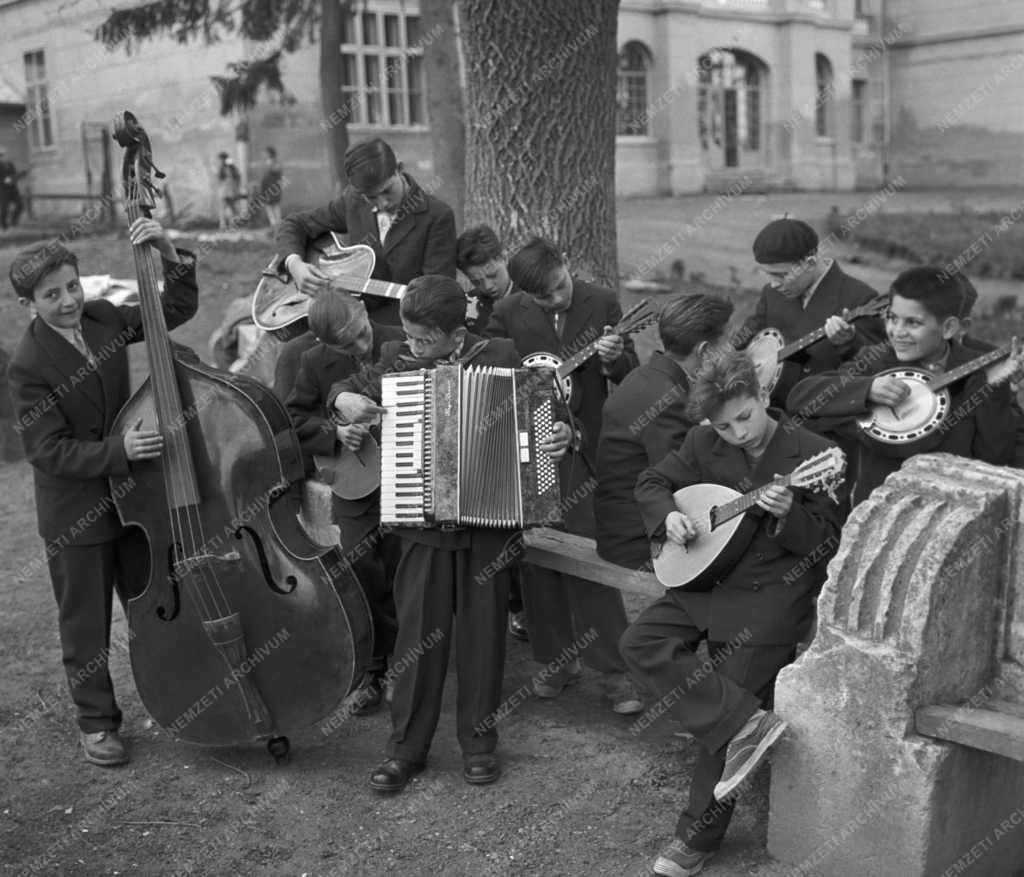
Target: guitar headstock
{"x": 823, "y": 472}
{"x": 1007, "y": 368}
{"x": 874, "y": 308}
{"x": 637, "y": 318}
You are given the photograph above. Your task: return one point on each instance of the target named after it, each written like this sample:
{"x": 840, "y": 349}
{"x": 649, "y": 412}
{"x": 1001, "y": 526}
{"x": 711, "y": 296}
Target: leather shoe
{"x": 103, "y": 748}
{"x": 393, "y": 774}
{"x": 368, "y": 694}
{"x": 517, "y": 626}
{"x": 479, "y": 770}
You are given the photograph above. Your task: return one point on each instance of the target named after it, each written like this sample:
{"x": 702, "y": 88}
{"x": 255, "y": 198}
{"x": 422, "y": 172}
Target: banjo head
{"x": 763, "y": 350}
{"x": 553, "y": 362}
{"x": 916, "y": 417}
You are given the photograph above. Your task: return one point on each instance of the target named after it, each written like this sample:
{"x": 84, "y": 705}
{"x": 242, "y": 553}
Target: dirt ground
{"x": 581, "y": 793}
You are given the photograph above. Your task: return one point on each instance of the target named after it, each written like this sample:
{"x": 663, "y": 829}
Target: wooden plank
{"x": 577, "y": 556}
{"x": 983, "y": 729}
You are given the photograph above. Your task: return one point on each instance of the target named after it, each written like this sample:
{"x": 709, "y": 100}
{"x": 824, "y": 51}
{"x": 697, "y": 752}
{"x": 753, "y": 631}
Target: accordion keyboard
{"x": 405, "y": 449}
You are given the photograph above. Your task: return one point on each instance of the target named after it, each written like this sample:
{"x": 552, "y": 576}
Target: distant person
{"x": 10, "y": 197}
{"x": 411, "y": 233}
{"x": 479, "y": 255}
{"x": 229, "y": 183}
{"x": 271, "y": 185}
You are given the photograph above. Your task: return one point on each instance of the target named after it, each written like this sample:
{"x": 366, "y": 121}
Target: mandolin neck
{"x": 734, "y": 508}
{"x": 802, "y": 342}
{"x": 354, "y": 283}
{"x": 940, "y": 382}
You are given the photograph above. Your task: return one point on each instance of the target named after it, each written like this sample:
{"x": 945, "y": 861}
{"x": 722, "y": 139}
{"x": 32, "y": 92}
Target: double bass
{"x": 245, "y": 630}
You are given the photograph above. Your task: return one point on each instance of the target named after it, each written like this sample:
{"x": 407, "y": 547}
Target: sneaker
{"x": 626, "y": 700}
{"x": 678, "y": 860}
{"x": 103, "y": 748}
{"x": 747, "y": 749}
{"x": 552, "y": 686}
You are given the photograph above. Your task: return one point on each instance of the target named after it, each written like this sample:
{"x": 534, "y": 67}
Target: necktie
{"x": 384, "y": 222}
{"x": 83, "y": 348}
{"x": 559, "y": 320}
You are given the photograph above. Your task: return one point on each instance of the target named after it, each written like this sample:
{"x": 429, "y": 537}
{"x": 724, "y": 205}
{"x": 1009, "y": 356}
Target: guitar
{"x": 769, "y": 351}
{"x": 638, "y": 317}
{"x": 351, "y": 474}
{"x": 928, "y": 404}
{"x": 724, "y": 530}
{"x": 279, "y": 306}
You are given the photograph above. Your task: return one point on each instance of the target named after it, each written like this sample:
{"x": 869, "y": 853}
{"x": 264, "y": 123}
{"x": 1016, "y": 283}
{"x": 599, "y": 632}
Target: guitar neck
{"x": 576, "y": 360}
{"x": 633, "y": 321}
{"x": 744, "y": 503}
{"x": 942, "y": 381}
{"x": 368, "y": 286}
{"x": 802, "y": 342}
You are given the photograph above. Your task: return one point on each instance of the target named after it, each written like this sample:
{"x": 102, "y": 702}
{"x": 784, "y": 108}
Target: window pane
{"x": 392, "y": 36}
{"x": 352, "y": 101}
{"x": 412, "y": 30}
{"x": 417, "y": 111}
{"x": 349, "y": 71}
{"x": 370, "y": 29}
{"x": 47, "y": 138}
{"x": 373, "y": 98}
{"x": 348, "y": 29}
{"x": 396, "y": 114}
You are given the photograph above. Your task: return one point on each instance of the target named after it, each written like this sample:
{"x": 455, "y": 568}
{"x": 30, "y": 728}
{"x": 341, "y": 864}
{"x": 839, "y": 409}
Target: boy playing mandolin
{"x": 923, "y": 324}
{"x": 753, "y": 616}
{"x": 348, "y": 340}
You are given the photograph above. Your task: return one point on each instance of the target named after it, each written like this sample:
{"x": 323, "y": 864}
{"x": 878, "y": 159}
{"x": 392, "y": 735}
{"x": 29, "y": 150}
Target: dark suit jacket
{"x": 521, "y": 319}
{"x": 644, "y": 419}
{"x": 836, "y": 291}
{"x": 289, "y": 360}
{"x": 768, "y": 595}
{"x": 421, "y": 240}
{"x": 66, "y": 409}
{"x": 983, "y": 421}
{"x": 395, "y": 356}
{"x": 320, "y": 368}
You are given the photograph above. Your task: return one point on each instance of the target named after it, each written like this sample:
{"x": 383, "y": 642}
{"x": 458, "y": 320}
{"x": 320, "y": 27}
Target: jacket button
{"x": 759, "y": 555}
{"x": 95, "y": 432}
{"x": 755, "y": 587}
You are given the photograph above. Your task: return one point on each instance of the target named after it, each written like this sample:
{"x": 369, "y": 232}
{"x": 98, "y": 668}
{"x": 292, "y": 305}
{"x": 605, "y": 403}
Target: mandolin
{"x": 723, "y": 526}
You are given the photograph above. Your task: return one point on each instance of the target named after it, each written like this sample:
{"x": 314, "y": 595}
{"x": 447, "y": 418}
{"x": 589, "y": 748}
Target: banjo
{"x": 928, "y": 404}
{"x": 724, "y": 530}
{"x": 638, "y": 317}
{"x": 278, "y": 304}
{"x": 769, "y": 350}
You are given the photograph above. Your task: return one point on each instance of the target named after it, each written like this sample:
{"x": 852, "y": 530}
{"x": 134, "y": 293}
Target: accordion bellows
{"x": 459, "y": 446}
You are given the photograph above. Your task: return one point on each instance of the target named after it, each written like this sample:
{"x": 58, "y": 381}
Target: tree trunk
{"x": 444, "y": 100}
{"x": 540, "y": 124}
{"x": 333, "y": 14}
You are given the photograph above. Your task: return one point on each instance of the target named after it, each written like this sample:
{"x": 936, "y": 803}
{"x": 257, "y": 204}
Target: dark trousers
{"x": 10, "y": 207}
{"x": 712, "y": 699}
{"x": 465, "y": 586}
{"x": 373, "y": 556}
{"x": 84, "y": 579}
{"x": 561, "y": 608}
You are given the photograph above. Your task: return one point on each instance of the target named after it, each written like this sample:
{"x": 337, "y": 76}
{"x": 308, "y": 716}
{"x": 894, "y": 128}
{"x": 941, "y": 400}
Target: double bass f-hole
{"x": 268, "y": 576}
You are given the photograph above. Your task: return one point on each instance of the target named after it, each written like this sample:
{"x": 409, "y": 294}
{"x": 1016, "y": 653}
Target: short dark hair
{"x": 688, "y": 320}
{"x": 968, "y": 295}
{"x": 369, "y": 164}
{"x": 331, "y": 313}
{"x": 530, "y": 269}
{"x": 720, "y": 379}
{"x": 271, "y": 151}
{"x": 938, "y": 290}
{"x": 476, "y": 246}
{"x": 32, "y": 265}
{"x": 434, "y": 301}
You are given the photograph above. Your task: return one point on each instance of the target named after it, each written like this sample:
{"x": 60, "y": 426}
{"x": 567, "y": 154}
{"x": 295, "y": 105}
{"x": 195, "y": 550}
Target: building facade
{"x": 797, "y": 94}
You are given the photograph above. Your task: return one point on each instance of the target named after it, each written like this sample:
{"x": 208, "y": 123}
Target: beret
{"x": 784, "y": 240}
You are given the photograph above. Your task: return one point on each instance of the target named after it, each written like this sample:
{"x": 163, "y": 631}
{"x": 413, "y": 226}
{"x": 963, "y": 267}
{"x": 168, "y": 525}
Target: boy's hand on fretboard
{"x": 776, "y": 500}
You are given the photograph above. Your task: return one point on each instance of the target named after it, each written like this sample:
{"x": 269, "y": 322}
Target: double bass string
{"x": 184, "y": 516}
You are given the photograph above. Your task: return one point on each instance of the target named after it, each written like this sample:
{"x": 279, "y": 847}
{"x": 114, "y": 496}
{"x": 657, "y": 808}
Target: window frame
{"x": 390, "y": 80}
{"x": 824, "y": 83}
{"x": 40, "y": 125}
{"x": 627, "y": 112}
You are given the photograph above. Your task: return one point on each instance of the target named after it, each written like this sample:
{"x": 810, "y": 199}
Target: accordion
{"x": 459, "y": 446}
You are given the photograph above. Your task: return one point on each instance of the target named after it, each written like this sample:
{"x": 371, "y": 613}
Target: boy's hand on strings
{"x": 776, "y": 500}
{"x": 308, "y": 278}
{"x": 838, "y": 331}
{"x": 352, "y": 434}
{"x": 679, "y": 528}
{"x": 142, "y": 444}
{"x": 888, "y": 391}
{"x": 148, "y": 231}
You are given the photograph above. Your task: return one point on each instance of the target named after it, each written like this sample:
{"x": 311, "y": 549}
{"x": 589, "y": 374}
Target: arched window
{"x": 729, "y": 107}
{"x": 631, "y": 97}
{"x": 823, "y": 95}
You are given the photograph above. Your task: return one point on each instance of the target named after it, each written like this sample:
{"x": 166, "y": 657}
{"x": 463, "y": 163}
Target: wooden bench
{"x": 577, "y": 556}
{"x": 997, "y": 726}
